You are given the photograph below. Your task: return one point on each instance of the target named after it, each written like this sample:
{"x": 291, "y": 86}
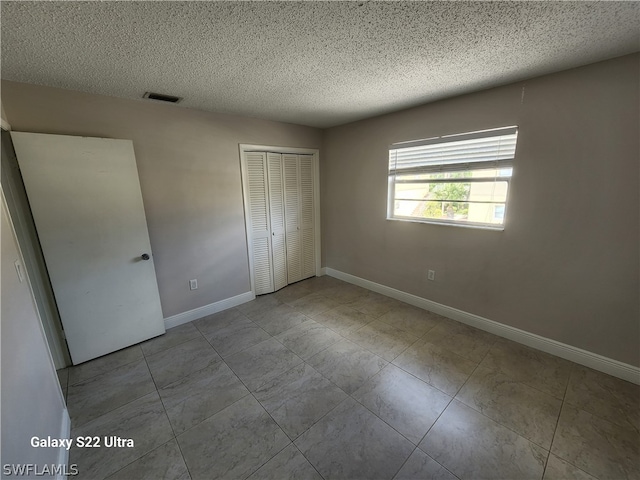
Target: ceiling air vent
{"x": 162, "y": 97}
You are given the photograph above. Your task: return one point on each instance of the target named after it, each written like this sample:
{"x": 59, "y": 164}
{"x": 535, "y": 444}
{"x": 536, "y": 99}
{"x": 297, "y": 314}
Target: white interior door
{"x": 259, "y": 221}
{"x": 86, "y": 202}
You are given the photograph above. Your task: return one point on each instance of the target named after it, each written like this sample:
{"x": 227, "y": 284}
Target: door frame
{"x": 35, "y": 266}
{"x": 244, "y": 148}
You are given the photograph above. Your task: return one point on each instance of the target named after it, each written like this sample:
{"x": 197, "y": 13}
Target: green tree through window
{"x": 446, "y": 199}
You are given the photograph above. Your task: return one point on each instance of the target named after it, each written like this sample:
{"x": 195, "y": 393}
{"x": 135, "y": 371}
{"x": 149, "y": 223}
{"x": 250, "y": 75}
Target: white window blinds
{"x": 486, "y": 149}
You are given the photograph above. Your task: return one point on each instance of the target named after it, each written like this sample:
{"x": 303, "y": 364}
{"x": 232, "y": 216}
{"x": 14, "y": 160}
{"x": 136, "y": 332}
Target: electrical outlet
{"x": 431, "y": 274}
{"x": 193, "y": 284}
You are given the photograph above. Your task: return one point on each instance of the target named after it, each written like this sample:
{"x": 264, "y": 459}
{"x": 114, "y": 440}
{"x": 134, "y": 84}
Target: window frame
{"x": 453, "y": 166}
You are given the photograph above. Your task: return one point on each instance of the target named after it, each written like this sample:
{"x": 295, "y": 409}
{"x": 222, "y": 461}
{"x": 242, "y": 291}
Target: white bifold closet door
{"x": 259, "y": 222}
{"x": 276, "y": 204}
{"x": 281, "y": 218}
{"x": 298, "y": 201}
{"x": 292, "y": 217}
{"x": 307, "y": 216}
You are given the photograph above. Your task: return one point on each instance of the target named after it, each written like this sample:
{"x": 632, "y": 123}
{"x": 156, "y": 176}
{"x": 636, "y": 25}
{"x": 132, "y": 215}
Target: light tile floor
{"x": 327, "y": 380}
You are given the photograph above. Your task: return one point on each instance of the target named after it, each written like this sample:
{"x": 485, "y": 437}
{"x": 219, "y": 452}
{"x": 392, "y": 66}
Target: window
{"x": 457, "y": 179}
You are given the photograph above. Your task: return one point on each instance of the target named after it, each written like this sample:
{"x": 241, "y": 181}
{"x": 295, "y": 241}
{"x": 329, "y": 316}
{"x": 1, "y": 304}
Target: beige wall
{"x": 189, "y": 168}
{"x": 566, "y": 265}
{"x": 32, "y": 402}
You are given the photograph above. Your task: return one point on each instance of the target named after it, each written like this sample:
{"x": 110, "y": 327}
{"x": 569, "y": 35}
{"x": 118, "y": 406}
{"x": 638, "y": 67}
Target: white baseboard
{"x": 323, "y": 271}
{"x": 568, "y": 352}
{"x": 196, "y": 313}
{"x": 63, "y": 453}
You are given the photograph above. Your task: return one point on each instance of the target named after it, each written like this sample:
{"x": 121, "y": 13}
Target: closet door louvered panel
{"x": 276, "y": 207}
{"x": 294, "y": 257}
{"x": 308, "y": 254}
{"x": 291, "y": 191}
{"x": 263, "y": 278}
{"x": 292, "y": 217}
{"x": 259, "y": 221}
{"x": 279, "y": 262}
{"x": 306, "y": 216}
{"x": 306, "y": 191}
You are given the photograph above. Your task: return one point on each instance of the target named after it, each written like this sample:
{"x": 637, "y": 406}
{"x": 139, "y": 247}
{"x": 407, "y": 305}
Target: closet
{"x": 279, "y": 191}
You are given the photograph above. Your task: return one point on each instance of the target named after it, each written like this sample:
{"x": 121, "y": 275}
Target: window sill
{"x": 495, "y": 228}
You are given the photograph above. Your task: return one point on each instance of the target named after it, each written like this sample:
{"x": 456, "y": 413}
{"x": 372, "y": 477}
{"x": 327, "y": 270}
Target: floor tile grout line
{"x": 405, "y": 461}
{"x": 425, "y": 453}
{"x": 434, "y": 422}
{"x": 269, "y": 310}
{"x": 383, "y": 334}
{"x": 308, "y": 461}
{"x": 189, "y": 374}
{"x": 451, "y": 398}
{"x": 119, "y": 406}
{"x": 527, "y": 385}
{"x": 384, "y": 421}
{"x": 563, "y": 402}
{"x": 323, "y": 416}
{"x": 415, "y": 376}
{"x": 103, "y": 373}
{"x": 503, "y": 425}
{"x": 192, "y": 373}
{"x": 164, "y": 408}
{"x": 333, "y": 384}
{"x": 555, "y": 430}
{"x": 216, "y": 360}
{"x": 626, "y": 427}
{"x": 193, "y": 426}
{"x": 147, "y": 453}
{"x": 310, "y": 320}
{"x": 548, "y": 450}
{"x": 174, "y": 345}
{"x": 164, "y": 351}
{"x": 292, "y": 441}
{"x": 244, "y": 349}
{"x": 182, "y": 455}
{"x": 128, "y": 403}
{"x": 453, "y": 474}
{"x": 213, "y": 414}
{"x": 504, "y": 372}
{"x": 359, "y": 327}
{"x": 205, "y": 419}
{"x": 275, "y": 454}
{"x": 421, "y": 336}
{"x": 218, "y": 313}
{"x": 577, "y": 407}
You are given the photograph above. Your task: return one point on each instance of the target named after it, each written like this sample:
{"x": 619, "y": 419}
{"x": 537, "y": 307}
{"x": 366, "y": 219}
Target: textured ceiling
{"x": 311, "y": 63}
